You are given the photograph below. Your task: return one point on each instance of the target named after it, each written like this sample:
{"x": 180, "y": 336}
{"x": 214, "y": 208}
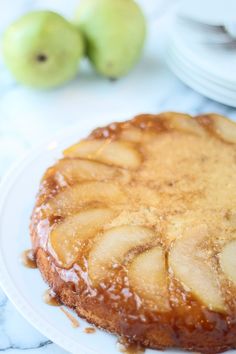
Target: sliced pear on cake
{"x": 117, "y": 153}
{"x": 75, "y": 170}
{"x": 148, "y": 277}
{"x": 228, "y": 260}
{"x": 112, "y": 247}
{"x": 73, "y": 198}
{"x": 183, "y": 122}
{"x": 132, "y": 134}
{"x": 191, "y": 268}
{"x": 67, "y": 237}
{"x": 225, "y": 128}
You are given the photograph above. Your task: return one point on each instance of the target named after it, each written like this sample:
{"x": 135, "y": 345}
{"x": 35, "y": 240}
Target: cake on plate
{"x": 135, "y": 229}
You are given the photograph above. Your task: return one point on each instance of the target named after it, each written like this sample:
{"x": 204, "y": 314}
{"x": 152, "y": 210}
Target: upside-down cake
{"x": 135, "y": 229}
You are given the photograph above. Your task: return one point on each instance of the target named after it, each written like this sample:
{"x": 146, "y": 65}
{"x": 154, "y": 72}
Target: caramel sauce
{"x": 49, "y": 297}
{"x": 28, "y": 259}
{"x": 129, "y": 348}
{"x": 74, "y": 322}
{"x": 89, "y": 330}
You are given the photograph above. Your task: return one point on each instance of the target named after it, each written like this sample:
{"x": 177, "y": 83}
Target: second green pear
{"x": 115, "y": 32}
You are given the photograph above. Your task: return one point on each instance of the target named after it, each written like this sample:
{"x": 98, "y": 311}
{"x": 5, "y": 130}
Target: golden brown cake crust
{"x": 177, "y": 181}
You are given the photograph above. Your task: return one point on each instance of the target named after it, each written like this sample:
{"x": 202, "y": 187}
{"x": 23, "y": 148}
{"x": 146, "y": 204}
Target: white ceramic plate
{"x": 197, "y": 69}
{"x": 201, "y": 84}
{"x": 23, "y": 286}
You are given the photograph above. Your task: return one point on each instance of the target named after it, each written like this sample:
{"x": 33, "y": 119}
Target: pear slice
{"x": 119, "y": 153}
{"x": 67, "y": 237}
{"x": 148, "y": 277}
{"x": 70, "y": 200}
{"x": 225, "y": 128}
{"x": 228, "y": 260}
{"x": 192, "y": 270}
{"x": 75, "y": 170}
{"x": 112, "y": 247}
{"x": 132, "y": 134}
{"x": 183, "y": 122}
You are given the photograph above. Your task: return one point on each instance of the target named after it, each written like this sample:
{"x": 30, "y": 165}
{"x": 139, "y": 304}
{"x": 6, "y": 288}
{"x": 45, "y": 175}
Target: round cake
{"x": 135, "y": 229}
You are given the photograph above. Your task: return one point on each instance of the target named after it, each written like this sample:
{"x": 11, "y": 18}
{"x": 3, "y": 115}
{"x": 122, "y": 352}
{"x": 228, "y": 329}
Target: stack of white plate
{"x": 202, "y": 55}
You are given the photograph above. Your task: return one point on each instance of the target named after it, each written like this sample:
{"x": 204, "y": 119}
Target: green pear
{"x": 42, "y": 49}
{"x": 114, "y": 31}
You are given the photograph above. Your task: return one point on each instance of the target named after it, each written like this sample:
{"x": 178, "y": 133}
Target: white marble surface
{"x": 29, "y": 117}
